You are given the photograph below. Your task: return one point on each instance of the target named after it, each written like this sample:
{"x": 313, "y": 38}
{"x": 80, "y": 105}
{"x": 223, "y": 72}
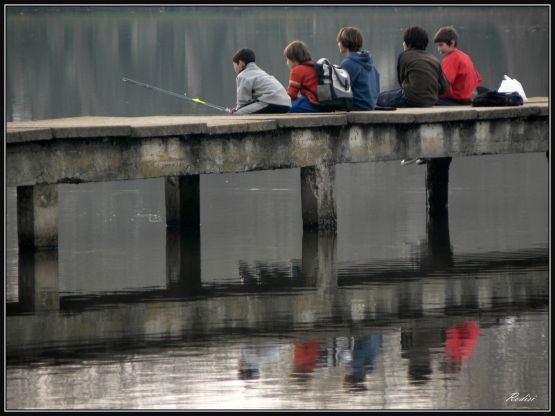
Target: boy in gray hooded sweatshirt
{"x": 257, "y": 91}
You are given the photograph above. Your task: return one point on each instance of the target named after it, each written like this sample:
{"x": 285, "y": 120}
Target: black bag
{"x": 497, "y": 99}
{"x": 334, "y": 87}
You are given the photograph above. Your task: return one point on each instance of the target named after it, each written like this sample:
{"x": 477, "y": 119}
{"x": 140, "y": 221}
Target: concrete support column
{"x": 437, "y": 255}
{"x": 319, "y": 253}
{"x": 183, "y": 202}
{"x": 38, "y": 281}
{"x": 318, "y": 197}
{"x": 183, "y": 271}
{"x": 437, "y": 185}
{"x": 37, "y": 217}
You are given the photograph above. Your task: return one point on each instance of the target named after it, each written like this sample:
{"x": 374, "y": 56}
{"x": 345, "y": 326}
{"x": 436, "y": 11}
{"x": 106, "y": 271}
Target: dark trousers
{"x": 450, "y": 101}
{"x": 272, "y": 109}
{"x": 396, "y": 98}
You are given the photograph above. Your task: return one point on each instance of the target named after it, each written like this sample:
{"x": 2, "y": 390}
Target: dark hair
{"x": 244, "y": 54}
{"x": 447, "y": 34}
{"x": 350, "y": 38}
{"x": 297, "y": 51}
{"x": 415, "y": 38}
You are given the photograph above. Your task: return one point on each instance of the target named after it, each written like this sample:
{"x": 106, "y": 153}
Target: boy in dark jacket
{"x": 365, "y": 79}
{"x": 419, "y": 73}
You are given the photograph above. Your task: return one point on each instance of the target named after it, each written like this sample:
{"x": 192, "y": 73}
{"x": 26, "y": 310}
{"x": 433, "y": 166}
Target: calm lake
{"x": 394, "y": 312}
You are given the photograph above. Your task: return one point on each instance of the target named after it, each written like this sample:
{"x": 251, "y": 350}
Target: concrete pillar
{"x": 437, "y": 255}
{"x": 183, "y": 271}
{"x": 319, "y": 253}
{"x": 318, "y": 197}
{"x": 183, "y": 202}
{"x": 437, "y": 185}
{"x": 37, "y": 217}
{"x": 38, "y": 281}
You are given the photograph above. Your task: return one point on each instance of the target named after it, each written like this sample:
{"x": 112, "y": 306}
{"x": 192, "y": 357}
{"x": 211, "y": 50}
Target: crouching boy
{"x": 257, "y": 91}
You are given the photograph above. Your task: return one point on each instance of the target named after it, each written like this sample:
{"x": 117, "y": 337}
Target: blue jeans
{"x": 396, "y": 98}
{"x": 303, "y": 105}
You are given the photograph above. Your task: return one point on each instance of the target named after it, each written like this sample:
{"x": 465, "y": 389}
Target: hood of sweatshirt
{"x": 363, "y": 58}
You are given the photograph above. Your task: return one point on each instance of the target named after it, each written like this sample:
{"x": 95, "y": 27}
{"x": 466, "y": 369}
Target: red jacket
{"x": 303, "y": 81}
{"x": 461, "y": 74}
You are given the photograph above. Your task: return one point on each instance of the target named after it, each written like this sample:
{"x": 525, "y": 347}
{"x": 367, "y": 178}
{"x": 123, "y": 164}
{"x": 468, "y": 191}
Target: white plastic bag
{"x": 512, "y": 85}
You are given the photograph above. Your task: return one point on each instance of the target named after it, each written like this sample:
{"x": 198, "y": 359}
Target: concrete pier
{"x": 318, "y": 197}
{"x": 37, "y": 217}
{"x": 38, "y": 280}
{"x": 437, "y": 186}
{"x": 183, "y": 202}
{"x": 43, "y": 153}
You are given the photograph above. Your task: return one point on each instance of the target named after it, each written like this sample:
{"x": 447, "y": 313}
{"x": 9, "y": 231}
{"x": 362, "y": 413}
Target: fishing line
{"x": 174, "y": 94}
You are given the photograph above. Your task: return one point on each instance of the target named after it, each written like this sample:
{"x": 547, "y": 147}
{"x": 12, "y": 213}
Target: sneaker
{"x": 407, "y": 161}
{"x": 421, "y": 161}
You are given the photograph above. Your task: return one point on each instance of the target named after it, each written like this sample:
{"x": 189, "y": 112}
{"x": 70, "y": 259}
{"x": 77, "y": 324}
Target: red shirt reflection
{"x": 461, "y": 340}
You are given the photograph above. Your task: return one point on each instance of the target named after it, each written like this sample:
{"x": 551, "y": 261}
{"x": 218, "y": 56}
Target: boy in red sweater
{"x": 303, "y": 81}
{"x": 457, "y": 67}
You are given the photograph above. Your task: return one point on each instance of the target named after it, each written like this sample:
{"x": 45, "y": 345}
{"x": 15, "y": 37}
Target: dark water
{"x": 396, "y": 312}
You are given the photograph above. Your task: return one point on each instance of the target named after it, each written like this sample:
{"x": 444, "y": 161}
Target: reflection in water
{"x": 305, "y": 356}
{"x": 131, "y": 314}
{"x": 437, "y": 254}
{"x": 461, "y": 340}
{"x": 364, "y": 355}
{"x": 38, "y": 281}
{"x": 253, "y": 357}
{"x": 183, "y": 260}
{"x": 313, "y": 332}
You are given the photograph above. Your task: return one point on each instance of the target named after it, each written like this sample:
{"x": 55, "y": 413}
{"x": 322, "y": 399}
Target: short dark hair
{"x": 244, "y": 54}
{"x": 350, "y": 38}
{"x": 447, "y": 34}
{"x": 297, "y": 51}
{"x": 415, "y": 38}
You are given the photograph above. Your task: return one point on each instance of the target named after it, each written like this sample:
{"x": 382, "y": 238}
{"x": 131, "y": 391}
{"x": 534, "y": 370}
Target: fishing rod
{"x": 182, "y": 96}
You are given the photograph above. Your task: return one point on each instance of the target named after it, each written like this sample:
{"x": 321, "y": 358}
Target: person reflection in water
{"x": 253, "y": 357}
{"x": 305, "y": 359}
{"x": 365, "y": 352}
{"x": 460, "y": 343}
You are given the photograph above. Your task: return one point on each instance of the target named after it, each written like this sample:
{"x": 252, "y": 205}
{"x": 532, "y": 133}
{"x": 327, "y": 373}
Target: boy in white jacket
{"x": 257, "y": 91}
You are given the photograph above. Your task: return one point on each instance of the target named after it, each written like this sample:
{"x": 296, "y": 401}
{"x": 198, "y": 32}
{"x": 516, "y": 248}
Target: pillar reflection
{"x": 38, "y": 281}
{"x": 319, "y": 254}
{"x": 183, "y": 257}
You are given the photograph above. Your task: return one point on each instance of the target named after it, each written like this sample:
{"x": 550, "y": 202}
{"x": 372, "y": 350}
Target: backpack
{"x": 334, "y": 86}
{"x": 497, "y": 99}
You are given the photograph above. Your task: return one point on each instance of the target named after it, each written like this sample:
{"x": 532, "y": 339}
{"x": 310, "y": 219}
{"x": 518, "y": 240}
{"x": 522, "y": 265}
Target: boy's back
{"x": 365, "y": 79}
{"x": 457, "y": 67}
{"x": 420, "y": 76}
{"x": 254, "y": 83}
{"x": 461, "y": 74}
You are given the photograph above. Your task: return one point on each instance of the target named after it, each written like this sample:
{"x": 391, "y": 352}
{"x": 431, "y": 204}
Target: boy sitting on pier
{"x": 457, "y": 67}
{"x": 257, "y": 91}
{"x": 303, "y": 80}
{"x": 365, "y": 79}
{"x": 419, "y": 73}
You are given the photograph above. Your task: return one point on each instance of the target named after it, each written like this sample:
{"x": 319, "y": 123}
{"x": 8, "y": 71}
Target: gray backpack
{"x": 334, "y": 86}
